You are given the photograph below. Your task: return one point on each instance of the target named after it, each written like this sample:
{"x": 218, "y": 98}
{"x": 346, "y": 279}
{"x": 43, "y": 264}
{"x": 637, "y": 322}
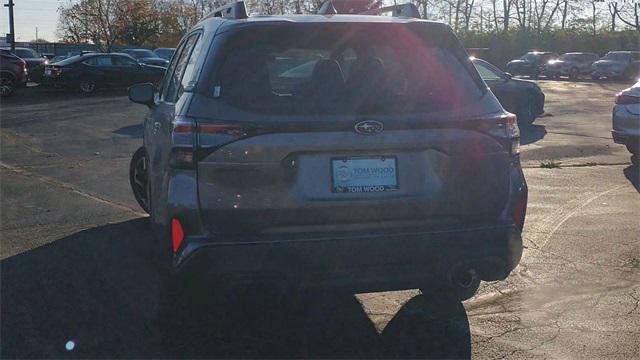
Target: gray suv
{"x": 617, "y": 64}
{"x": 352, "y": 151}
{"x": 571, "y": 64}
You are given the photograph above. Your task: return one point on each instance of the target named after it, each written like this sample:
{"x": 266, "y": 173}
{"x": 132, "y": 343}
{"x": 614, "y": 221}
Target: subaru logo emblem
{"x": 368, "y": 127}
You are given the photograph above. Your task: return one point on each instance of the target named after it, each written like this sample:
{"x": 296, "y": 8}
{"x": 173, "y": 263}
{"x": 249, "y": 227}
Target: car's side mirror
{"x": 143, "y": 93}
{"x": 507, "y": 76}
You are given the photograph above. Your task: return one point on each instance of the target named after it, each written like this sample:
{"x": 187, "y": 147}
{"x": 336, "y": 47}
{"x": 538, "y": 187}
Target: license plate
{"x": 364, "y": 174}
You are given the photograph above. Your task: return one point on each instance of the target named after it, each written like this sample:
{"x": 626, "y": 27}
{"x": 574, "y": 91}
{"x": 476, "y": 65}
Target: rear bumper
{"x": 630, "y": 140}
{"x": 362, "y": 263}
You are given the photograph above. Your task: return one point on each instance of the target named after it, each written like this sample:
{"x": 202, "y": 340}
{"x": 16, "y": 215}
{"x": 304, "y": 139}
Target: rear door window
{"x": 341, "y": 69}
{"x": 174, "y": 82}
{"x": 104, "y": 61}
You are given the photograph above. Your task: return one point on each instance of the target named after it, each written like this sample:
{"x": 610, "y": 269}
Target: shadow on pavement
{"x": 95, "y": 290}
{"x": 632, "y": 173}
{"x": 133, "y": 131}
{"x": 34, "y": 95}
{"x": 532, "y": 133}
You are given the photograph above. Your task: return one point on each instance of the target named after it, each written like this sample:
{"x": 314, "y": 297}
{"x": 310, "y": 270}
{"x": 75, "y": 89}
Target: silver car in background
{"x": 626, "y": 120}
{"x": 617, "y": 64}
{"x": 571, "y": 64}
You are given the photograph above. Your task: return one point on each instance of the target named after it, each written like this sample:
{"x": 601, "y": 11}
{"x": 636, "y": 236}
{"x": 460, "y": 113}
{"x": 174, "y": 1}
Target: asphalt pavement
{"x": 76, "y": 283}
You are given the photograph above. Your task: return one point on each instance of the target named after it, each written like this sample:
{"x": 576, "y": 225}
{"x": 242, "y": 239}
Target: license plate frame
{"x": 372, "y": 180}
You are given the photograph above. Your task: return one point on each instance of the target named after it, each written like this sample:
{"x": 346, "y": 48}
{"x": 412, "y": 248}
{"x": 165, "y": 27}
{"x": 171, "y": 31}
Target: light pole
{"x": 11, "y": 36}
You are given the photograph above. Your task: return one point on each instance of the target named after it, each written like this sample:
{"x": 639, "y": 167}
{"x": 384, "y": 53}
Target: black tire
{"x": 634, "y": 159}
{"x": 139, "y": 179}
{"x": 451, "y": 293}
{"x": 526, "y": 114}
{"x": 574, "y": 74}
{"x": 7, "y": 86}
{"x": 87, "y": 86}
{"x": 634, "y": 149}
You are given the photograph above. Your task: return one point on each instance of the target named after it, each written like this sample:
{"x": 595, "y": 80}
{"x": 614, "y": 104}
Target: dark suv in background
{"x": 571, "y": 64}
{"x": 352, "y": 151}
{"x": 13, "y": 73}
{"x": 531, "y": 64}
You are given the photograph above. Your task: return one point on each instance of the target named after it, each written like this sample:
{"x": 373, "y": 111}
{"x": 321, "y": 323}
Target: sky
{"x": 29, "y": 14}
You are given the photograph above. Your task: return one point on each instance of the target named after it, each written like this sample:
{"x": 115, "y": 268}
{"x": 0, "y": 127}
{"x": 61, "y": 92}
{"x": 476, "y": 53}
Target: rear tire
{"x": 574, "y": 74}
{"x": 139, "y": 179}
{"x": 87, "y": 86}
{"x": 7, "y": 86}
{"x": 526, "y": 114}
{"x": 451, "y": 294}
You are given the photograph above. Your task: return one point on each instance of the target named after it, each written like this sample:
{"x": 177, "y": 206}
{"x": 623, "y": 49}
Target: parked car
{"x": 13, "y": 73}
{"x": 165, "y": 53}
{"x": 531, "y": 63}
{"x": 146, "y": 56}
{"x": 96, "y": 70}
{"x": 617, "y": 64}
{"x": 521, "y": 97}
{"x": 29, "y": 55}
{"x": 571, "y": 64}
{"x": 626, "y": 120}
{"x": 388, "y": 165}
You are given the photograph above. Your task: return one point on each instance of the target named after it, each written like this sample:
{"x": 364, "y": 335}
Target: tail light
{"x": 624, "y": 99}
{"x": 508, "y": 132}
{"x": 192, "y": 140}
{"x": 23, "y": 66}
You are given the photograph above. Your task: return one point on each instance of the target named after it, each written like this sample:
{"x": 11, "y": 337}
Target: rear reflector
{"x": 519, "y": 211}
{"x": 177, "y": 234}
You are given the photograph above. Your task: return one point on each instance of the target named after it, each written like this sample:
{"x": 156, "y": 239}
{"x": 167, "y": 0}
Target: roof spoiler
{"x": 236, "y": 10}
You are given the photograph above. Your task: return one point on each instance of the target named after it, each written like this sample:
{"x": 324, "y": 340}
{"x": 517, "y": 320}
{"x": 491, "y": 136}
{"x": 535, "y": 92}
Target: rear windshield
{"x": 141, "y": 53}
{"x": 343, "y": 69}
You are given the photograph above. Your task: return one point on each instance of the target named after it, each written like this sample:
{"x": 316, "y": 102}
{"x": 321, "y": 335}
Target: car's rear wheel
{"x": 526, "y": 114}
{"x": 574, "y": 73}
{"x": 139, "y": 179}
{"x": 88, "y": 86}
{"x": 7, "y": 86}
{"x": 459, "y": 286}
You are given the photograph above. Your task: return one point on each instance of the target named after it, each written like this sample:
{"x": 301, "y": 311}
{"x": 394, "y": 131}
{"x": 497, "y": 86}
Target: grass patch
{"x": 550, "y": 164}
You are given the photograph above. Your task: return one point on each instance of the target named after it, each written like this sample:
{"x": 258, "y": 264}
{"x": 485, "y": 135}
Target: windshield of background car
{"x": 70, "y": 60}
{"x": 571, "y": 57}
{"x": 616, "y": 56}
{"x": 530, "y": 57}
{"x": 343, "y": 69}
{"x": 26, "y": 53}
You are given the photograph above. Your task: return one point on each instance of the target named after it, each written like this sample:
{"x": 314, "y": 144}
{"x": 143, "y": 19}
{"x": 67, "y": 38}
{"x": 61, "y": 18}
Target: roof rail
{"x": 236, "y": 10}
{"x": 401, "y": 10}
